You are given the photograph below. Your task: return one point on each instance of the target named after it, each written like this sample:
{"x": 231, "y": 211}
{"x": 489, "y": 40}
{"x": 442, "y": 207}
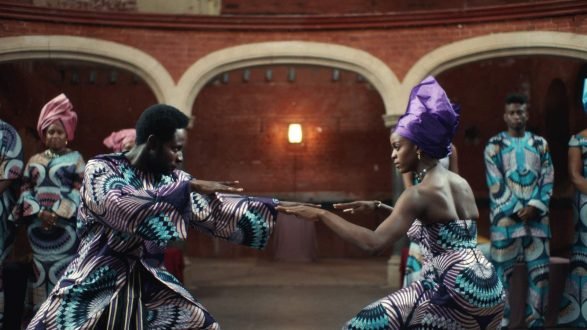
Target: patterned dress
{"x": 415, "y": 257}
{"x": 459, "y": 288}
{"x": 11, "y": 166}
{"x": 519, "y": 174}
{"x": 573, "y": 311}
{"x": 50, "y": 183}
{"x": 126, "y": 218}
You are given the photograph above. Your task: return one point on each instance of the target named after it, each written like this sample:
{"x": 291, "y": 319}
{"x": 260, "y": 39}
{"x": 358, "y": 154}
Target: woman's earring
{"x": 419, "y": 155}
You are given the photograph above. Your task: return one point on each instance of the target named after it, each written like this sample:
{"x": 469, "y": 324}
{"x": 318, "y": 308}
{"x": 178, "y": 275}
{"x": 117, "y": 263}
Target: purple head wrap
{"x": 430, "y": 120}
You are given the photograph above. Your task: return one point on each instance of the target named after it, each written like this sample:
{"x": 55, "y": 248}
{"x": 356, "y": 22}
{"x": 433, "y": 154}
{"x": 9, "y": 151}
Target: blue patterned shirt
{"x": 519, "y": 173}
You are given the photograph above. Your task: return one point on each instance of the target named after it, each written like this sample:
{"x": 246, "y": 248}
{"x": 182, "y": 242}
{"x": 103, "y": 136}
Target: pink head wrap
{"x": 60, "y": 109}
{"x": 117, "y": 140}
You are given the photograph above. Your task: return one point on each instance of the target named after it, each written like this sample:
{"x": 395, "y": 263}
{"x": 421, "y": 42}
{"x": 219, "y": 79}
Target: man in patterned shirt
{"x": 520, "y": 177}
{"x": 133, "y": 205}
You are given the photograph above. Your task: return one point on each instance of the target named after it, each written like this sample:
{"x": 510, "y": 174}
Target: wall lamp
{"x": 294, "y": 133}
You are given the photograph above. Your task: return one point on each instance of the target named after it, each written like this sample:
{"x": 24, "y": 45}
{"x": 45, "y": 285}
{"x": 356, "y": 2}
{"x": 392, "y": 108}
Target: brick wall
{"x": 307, "y": 7}
{"x": 283, "y": 7}
{"x": 110, "y": 101}
{"x": 399, "y": 48}
{"x": 240, "y": 132}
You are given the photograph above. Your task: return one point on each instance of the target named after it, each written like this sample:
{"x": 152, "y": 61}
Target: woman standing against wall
{"x": 50, "y": 197}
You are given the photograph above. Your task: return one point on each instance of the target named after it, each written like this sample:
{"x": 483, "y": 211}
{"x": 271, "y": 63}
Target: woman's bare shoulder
{"x": 460, "y": 186}
{"x": 411, "y": 197}
{"x": 456, "y": 179}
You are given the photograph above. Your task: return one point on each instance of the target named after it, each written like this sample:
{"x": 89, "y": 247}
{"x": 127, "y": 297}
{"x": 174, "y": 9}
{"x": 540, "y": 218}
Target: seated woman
{"x": 459, "y": 288}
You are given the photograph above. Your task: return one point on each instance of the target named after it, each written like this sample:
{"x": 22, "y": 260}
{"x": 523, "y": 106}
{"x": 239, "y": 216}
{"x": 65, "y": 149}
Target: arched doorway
{"x": 371, "y": 68}
{"x": 549, "y": 82}
{"x": 495, "y": 45}
{"x": 105, "y": 98}
{"x": 91, "y": 50}
{"x": 266, "y": 156}
{"x": 240, "y": 133}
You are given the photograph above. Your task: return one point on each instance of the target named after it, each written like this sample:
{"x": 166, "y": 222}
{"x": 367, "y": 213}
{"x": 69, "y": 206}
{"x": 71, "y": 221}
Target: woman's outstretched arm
{"x": 363, "y": 206}
{"x": 407, "y": 208}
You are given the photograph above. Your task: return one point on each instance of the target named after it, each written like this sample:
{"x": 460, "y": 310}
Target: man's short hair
{"x": 160, "y": 120}
{"x": 516, "y": 98}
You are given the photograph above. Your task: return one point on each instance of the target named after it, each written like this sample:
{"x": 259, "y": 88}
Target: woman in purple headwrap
{"x": 459, "y": 288}
{"x": 50, "y": 197}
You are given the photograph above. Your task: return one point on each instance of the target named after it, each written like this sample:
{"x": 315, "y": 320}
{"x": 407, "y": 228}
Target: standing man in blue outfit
{"x": 520, "y": 178}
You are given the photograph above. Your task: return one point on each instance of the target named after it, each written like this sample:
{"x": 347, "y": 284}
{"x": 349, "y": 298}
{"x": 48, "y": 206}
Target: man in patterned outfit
{"x": 133, "y": 204}
{"x": 520, "y": 176}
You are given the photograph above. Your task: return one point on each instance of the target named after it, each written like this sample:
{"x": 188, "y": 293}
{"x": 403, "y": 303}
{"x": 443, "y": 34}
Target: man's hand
{"x": 528, "y": 213}
{"x": 210, "y": 187}
{"x": 48, "y": 219}
{"x": 311, "y": 213}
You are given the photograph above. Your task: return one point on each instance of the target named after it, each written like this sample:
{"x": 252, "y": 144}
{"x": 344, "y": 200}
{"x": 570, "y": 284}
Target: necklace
{"x": 50, "y": 154}
{"x": 421, "y": 174}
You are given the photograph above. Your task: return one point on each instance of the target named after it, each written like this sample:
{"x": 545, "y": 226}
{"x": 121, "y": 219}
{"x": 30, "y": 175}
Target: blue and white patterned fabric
{"x": 459, "y": 288}
{"x": 519, "y": 173}
{"x": 573, "y": 312}
{"x": 415, "y": 258}
{"x": 50, "y": 183}
{"x": 126, "y": 218}
{"x": 11, "y": 166}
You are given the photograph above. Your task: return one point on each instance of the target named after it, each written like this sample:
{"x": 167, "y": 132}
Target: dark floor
{"x": 249, "y": 294}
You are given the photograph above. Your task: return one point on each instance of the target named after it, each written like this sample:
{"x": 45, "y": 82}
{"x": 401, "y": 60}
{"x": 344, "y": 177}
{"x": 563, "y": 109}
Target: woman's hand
{"x": 48, "y": 219}
{"x": 210, "y": 187}
{"x": 301, "y": 210}
{"x": 358, "y": 206}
